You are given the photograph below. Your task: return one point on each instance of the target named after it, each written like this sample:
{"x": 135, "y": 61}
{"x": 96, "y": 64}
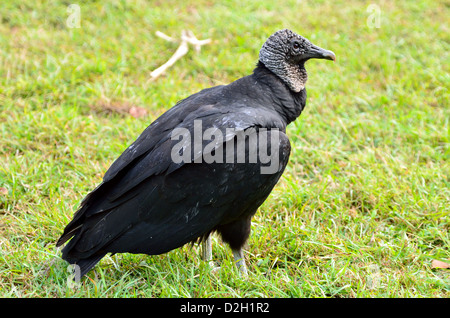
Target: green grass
{"x": 362, "y": 209}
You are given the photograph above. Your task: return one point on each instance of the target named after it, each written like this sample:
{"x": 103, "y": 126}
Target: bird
{"x": 204, "y": 166}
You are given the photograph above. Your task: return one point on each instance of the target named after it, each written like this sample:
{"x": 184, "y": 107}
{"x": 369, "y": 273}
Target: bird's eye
{"x": 296, "y": 45}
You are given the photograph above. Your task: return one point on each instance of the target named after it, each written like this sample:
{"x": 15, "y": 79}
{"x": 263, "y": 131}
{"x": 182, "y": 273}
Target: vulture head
{"x": 285, "y": 53}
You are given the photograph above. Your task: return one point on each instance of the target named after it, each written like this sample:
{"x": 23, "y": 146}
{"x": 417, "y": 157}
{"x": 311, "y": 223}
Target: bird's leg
{"x": 240, "y": 261}
{"x": 207, "y": 251}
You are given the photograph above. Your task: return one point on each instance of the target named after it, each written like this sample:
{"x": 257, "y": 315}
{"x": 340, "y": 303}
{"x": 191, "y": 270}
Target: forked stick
{"x": 187, "y": 37}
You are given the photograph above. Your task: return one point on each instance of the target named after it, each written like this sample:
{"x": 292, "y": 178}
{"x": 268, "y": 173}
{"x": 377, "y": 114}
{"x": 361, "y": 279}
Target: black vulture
{"x": 204, "y": 166}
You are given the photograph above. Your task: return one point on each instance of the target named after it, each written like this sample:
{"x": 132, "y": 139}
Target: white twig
{"x": 187, "y": 37}
{"x": 180, "y": 52}
{"x": 165, "y": 37}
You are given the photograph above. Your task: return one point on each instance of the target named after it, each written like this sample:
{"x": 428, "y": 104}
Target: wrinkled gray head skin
{"x": 285, "y": 53}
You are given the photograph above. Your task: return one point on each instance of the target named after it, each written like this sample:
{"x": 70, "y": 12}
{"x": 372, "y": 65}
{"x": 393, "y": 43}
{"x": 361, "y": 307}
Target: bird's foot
{"x": 240, "y": 262}
{"x": 213, "y": 267}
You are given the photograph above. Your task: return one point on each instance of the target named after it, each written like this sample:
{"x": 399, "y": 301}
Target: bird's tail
{"x": 82, "y": 266}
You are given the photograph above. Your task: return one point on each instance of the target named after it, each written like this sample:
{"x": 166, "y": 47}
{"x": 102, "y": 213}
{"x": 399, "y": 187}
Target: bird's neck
{"x": 288, "y": 103}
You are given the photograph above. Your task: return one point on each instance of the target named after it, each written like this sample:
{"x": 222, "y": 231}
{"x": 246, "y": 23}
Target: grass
{"x": 362, "y": 209}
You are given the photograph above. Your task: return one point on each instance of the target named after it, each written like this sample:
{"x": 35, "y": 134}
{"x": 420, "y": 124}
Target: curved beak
{"x": 316, "y": 52}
